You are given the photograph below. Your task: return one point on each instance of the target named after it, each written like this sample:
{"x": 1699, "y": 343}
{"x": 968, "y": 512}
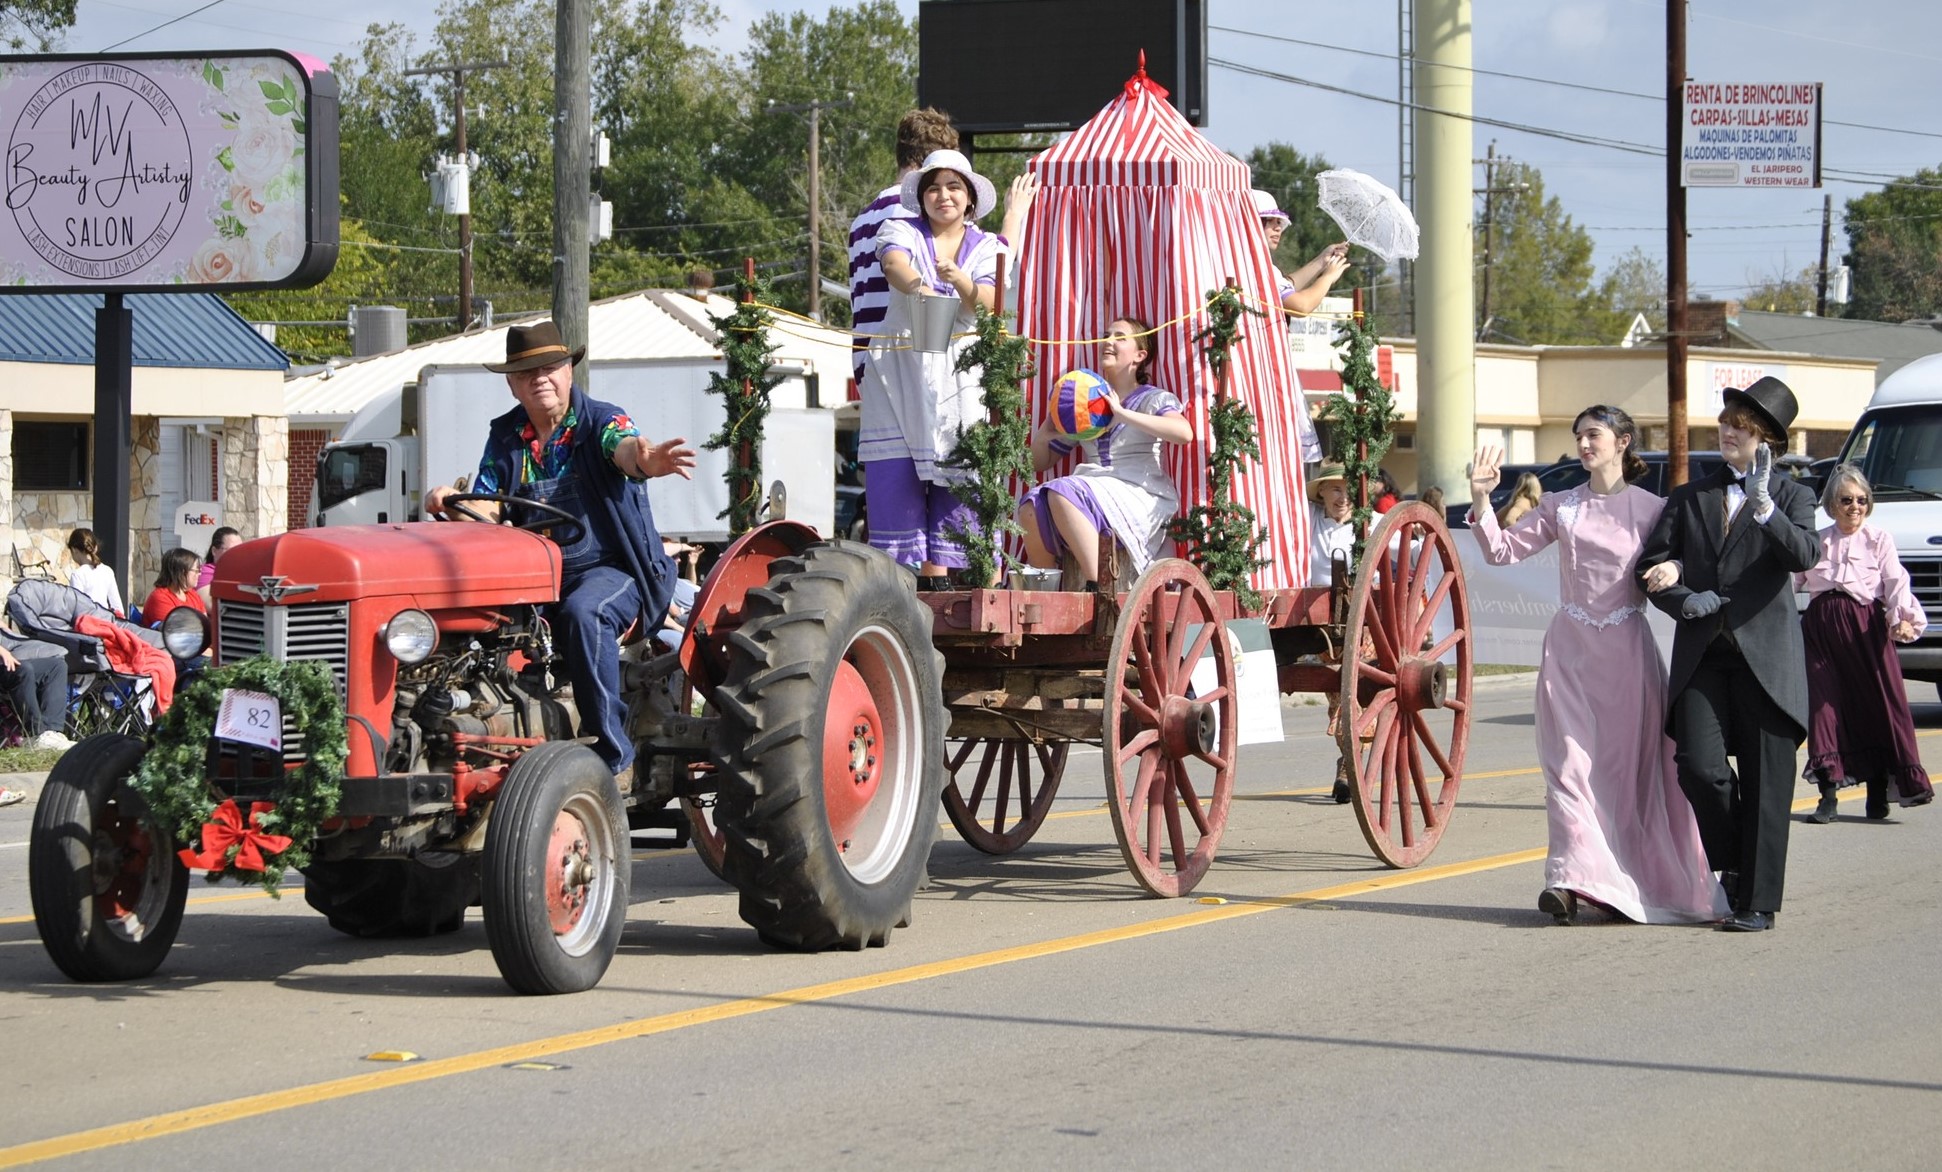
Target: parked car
{"x": 1569, "y": 473}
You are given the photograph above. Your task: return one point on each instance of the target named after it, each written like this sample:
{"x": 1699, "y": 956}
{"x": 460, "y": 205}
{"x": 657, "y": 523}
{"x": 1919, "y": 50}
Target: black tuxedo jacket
{"x": 1753, "y": 567}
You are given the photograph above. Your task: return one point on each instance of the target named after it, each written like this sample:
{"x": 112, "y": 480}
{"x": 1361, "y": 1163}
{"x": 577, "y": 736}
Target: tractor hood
{"x": 435, "y": 565}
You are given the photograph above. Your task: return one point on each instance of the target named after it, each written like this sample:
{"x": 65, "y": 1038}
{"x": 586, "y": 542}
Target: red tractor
{"x": 799, "y": 732}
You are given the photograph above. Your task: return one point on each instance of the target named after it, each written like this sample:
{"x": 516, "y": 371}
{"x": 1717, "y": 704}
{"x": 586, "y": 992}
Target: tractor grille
{"x": 320, "y": 632}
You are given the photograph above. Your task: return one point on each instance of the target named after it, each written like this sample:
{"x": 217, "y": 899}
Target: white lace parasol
{"x": 1370, "y": 214}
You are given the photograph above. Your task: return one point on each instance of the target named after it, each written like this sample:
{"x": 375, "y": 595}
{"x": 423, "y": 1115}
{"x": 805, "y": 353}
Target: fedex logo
{"x": 197, "y": 519}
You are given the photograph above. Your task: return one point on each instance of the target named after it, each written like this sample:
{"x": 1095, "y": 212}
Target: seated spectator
{"x": 175, "y": 586}
{"x": 224, "y": 540}
{"x": 89, "y": 576}
{"x": 33, "y": 677}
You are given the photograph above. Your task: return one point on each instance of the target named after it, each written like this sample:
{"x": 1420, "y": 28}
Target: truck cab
{"x": 1897, "y": 443}
{"x": 367, "y": 482}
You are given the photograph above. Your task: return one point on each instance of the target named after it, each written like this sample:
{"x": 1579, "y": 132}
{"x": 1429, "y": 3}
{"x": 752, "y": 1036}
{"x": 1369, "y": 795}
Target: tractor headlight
{"x": 411, "y": 636}
{"x": 185, "y": 632}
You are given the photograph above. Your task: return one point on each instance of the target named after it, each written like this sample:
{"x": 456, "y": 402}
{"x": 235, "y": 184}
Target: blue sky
{"x": 1880, "y": 67}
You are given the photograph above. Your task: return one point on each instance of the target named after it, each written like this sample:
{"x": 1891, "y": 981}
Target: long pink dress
{"x": 1622, "y": 833}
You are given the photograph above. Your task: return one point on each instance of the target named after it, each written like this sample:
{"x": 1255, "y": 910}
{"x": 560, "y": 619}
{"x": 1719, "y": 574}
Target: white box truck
{"x": 1897, "y": 443}
{"x": 432, "y": 432}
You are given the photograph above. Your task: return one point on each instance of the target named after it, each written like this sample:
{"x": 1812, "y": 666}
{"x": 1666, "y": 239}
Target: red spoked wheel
{"x": 1405, "y": 720}
{"x": 999, "y": 821}
{"x": 1169, "y": 753}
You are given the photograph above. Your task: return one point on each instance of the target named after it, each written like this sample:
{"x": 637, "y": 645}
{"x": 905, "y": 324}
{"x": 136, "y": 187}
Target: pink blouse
{"x": 1864, "y": 566}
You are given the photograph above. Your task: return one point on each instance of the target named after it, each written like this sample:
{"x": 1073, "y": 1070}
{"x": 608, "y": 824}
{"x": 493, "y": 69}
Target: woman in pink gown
{"x": 1622, "y": 833}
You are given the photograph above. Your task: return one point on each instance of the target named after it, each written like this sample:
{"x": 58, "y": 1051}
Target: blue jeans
{"x": 596, "y": 607}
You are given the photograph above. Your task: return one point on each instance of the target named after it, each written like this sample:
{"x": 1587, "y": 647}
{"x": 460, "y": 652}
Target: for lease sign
{"x": 1751, "y": 134}
{"x": 160, "y": 173}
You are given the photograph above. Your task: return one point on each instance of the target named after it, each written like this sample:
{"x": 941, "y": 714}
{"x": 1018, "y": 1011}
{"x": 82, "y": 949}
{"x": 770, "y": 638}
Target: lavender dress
{"x": 1622, "y": 833}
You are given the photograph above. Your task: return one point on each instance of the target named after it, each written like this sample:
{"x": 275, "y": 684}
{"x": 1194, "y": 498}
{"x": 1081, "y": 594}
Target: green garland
{"x": 173, "y": 776}
{"x": 1223, "y": 535}
{"x": 994, "y": 450}
{"x": 1361, "y": 417}
{"x": 744, "y": 386}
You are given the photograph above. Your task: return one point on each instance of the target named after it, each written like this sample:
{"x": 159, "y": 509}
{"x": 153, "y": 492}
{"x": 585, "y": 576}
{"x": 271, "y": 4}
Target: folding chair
{"x": 100, "y": 698}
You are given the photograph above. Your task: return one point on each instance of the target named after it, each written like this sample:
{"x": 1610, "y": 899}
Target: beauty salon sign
{"x": 157, "y": 174}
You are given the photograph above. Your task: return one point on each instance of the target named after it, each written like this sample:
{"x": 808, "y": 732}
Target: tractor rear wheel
{"x": 832, "y": 749}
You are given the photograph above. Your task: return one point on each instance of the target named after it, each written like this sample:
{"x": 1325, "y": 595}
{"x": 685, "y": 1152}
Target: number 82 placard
{"x": 251, "y": 717}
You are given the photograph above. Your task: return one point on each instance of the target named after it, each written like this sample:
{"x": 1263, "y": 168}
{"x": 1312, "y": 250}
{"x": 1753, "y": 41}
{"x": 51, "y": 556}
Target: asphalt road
{"x": 1306, "y": 1008}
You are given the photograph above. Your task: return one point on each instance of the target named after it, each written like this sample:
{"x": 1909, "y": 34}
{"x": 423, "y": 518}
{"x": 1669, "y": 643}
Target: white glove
{"x": 1756, "y": 481}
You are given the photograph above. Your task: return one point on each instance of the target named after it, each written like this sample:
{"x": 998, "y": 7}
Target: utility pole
{"x": 1446, "y": 298}
{"x": 458, "y": 70}
{"x": 1490, "y": 191}
{"x": 1676, "y": 343}
{"x": 1827, "y": 228}
{"x": 815, "y": 112}
{"x": 572, "y": 175}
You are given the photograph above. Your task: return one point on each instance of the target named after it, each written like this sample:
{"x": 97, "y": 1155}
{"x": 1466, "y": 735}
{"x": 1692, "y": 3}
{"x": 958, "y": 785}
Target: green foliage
{"x": 1362, "y": 419}
{"x": 1635, "y": 284}
{"x": 32, "y": 24}
{"x": 744, "y": 387}
{"x": 1797, "y": 294}
{"x": 174, "y": 773}
{"x": 1895, "y": 249}
{"x": 1540, "y": 268}
{"x": 997, "y": 448}
{"x": 1223, "y": 535}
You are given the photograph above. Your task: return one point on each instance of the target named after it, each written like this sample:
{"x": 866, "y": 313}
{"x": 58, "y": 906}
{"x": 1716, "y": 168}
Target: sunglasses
{"x": 1852, "y": 500}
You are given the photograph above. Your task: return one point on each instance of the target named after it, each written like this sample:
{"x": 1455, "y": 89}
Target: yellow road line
{"x": 250, "y": 1106}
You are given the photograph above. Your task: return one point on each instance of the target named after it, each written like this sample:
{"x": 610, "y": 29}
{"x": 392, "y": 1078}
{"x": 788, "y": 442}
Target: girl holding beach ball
{"x": 1119, "y": 420}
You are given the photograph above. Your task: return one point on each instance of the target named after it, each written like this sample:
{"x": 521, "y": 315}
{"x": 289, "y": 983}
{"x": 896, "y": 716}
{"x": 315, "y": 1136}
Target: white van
{"x": 1898, "y": 444}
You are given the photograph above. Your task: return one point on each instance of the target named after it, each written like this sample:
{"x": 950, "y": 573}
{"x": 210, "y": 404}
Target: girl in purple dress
{"x": 1859, "y": 729}
{"x": 1122, "y": 487}
{"x": 1622, "y": 833}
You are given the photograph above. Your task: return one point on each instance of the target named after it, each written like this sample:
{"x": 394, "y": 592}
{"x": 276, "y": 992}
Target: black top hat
{"x": 1770, "y": 399}
{"x": 534, "y": 346}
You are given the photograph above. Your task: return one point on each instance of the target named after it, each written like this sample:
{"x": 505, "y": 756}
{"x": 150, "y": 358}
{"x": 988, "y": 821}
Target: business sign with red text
{"x": 167, "y": 174}
{"x": 1751, "y": 134}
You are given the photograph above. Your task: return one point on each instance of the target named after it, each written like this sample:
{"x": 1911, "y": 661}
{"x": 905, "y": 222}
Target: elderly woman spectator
{"x": 1860, "y": 730}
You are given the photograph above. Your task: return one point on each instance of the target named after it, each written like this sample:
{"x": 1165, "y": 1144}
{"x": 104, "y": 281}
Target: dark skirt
{"x": 1859, "y": 728}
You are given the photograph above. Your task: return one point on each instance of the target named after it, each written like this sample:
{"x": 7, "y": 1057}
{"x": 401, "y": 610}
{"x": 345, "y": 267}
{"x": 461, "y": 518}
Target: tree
{"x": 359, "y": 278}
{"x": 1540, "y": 268}
{"x": 1635, "y": 284}
{"x": 31, "y": 24}
{"x": 1895, "y": 249}
{"x": 1777, "y": 294}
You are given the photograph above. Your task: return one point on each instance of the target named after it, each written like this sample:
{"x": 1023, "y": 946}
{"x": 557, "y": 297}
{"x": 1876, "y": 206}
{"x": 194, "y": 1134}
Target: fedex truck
{"x": 432, "y": 431}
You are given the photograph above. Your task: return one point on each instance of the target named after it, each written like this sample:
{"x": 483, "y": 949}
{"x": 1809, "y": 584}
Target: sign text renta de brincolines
{"x": 1751, "y": 134}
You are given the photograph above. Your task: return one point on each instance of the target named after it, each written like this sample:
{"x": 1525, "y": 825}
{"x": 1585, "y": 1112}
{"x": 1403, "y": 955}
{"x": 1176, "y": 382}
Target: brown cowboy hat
{"x": 1771, "y": 399}
{"x": 531, "y": 347}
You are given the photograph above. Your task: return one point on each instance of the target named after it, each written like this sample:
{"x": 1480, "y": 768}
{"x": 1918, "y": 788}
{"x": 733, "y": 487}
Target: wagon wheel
{"x": 999, "y": 822}
{"x": 1169, "y": 755}
{"x": 1406, "y": 685}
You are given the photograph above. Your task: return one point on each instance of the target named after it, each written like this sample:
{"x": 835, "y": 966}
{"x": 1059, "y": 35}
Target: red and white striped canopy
{"x": 1138, "y": 215}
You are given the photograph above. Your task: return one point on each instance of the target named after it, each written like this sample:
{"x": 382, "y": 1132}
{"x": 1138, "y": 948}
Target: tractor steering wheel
{"x": 557, "y": 519}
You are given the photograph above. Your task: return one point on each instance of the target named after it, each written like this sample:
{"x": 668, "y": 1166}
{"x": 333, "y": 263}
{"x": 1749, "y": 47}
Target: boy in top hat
{"x": 1721, "y": 562}
{"x": 563, "y": 448}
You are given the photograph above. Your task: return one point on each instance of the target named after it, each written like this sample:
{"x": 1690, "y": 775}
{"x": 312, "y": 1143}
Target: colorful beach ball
{"x": 1080, "y": 409}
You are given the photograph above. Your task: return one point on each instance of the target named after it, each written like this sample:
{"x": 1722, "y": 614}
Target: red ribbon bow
{"x": 225, "y": 829}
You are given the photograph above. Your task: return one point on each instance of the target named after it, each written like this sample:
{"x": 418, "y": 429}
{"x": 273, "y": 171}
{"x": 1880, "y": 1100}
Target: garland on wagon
{"x": 260, "y": 844}
{"x": 995, "y": 449}
{"x": 1361, "y": 417}
{"x": 1223, "y": 535}
{"x": 744, "y": 386}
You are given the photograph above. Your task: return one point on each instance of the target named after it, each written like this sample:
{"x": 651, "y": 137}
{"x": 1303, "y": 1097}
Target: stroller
{"x": 100, "y": 699}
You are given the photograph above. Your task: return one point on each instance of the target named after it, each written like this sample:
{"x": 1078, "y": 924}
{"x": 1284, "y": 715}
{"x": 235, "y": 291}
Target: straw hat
{"x": 1268, "y": 208}
{"x": 987, "y": 195}
{"x": 1323, "y": 475}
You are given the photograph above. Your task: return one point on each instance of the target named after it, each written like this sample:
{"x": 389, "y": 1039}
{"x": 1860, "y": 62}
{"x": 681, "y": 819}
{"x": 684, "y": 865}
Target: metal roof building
{"x": 657, "y": 323}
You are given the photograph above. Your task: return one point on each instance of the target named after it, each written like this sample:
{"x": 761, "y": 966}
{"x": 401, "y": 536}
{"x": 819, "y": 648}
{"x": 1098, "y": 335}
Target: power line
{"x": 1570, "y": 85}
{"x": 158, "y": 28}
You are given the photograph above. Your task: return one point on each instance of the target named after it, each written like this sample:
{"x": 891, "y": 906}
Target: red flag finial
{"x": 1140, "y": 81}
